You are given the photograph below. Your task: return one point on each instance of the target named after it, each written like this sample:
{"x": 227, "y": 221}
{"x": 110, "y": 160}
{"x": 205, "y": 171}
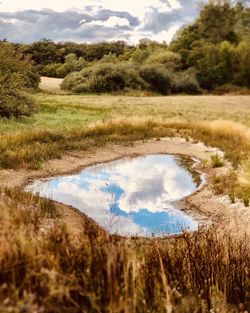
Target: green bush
{"x": 71, "y": 64}
{"x": 17, "y": 76}
{"x": 106, "y": 77}
{"x": 157, "y": 78}
{"x": 131, "y": 75}
{"x": 13, "y": 62}
{"x": 50, "y": 70}
{"x": 101, "y": 78}
{"x": 170, "y": 60}
{"x": 186, "y": 82}
{"x": 14, "y": 102}
{"x": 75, "y": 79}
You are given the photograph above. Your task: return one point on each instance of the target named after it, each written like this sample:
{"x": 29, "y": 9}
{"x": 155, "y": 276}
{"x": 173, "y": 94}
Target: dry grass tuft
{"x": 51, "y": 271}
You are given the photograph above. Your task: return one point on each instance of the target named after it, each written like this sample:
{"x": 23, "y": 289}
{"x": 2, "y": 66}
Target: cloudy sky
{"x": 93, "y": 20}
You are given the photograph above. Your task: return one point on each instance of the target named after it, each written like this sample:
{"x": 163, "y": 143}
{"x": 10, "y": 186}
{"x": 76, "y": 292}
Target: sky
{"x": 94, "y": 20}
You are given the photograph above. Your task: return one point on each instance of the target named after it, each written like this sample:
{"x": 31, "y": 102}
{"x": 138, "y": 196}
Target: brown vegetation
{"x": 45, "y": 269}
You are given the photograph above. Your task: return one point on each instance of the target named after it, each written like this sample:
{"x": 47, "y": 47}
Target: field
{"x": 48, "y": 266}
{"x": 65, "y": 112}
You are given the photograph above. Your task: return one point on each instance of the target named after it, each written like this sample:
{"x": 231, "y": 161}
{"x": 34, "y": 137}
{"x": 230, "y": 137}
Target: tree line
{"x": 212, "y": 54}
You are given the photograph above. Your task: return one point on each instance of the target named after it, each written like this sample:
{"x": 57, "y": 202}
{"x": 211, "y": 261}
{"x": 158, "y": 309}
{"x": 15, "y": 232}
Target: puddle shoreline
{"x": 141, "y": 194}
{"x": 203, "y": 205}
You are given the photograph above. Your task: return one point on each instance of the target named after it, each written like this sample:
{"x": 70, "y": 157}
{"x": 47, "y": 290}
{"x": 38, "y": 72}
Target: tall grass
{"x": 52, "y": 271}
{"x": 29, "y": 149}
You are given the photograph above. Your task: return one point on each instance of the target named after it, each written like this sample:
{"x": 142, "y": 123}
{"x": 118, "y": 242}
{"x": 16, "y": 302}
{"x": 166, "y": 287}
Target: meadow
{"x": 116, "y": 97}
{"x": 64, "y": 112}
{"x": 45, "y": 267}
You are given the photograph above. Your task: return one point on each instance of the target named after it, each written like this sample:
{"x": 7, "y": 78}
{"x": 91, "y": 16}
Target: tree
{"x": 184, "y": 41}
{"x": 243, "y": 22}
{"x": 170, "y": 60}
{"x": 242, "y": 76}
{"x": 217, "y": 21}
{"x": 17, "y": 75}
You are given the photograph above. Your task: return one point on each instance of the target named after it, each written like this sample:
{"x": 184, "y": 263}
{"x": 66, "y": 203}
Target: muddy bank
{"x": 203, "y": 205}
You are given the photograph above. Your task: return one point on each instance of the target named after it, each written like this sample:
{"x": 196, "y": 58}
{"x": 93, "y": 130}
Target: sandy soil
{"x": 204, "y": 205}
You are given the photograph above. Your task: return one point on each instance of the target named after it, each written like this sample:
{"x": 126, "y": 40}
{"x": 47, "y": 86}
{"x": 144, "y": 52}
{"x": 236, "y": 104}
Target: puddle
{"x": 130, "y": 197}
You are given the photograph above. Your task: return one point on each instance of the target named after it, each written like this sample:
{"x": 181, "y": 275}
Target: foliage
{"x": 217, "y": 21}
{"x": 71, "y": 64}
{"x": 140, "y": 56}
{"x": 13, "y": 101}
{"x": 157, "y": 78}
{"x": 170, "y": 60}
{"x": 46, "y": 51}
{"x": 217, "y": 45}
{"x": 17, "y": 75}
{"x": 242, "y": 75}
{"x": 186, "y": 82}
{"x": 109, "y": 77}
{"x": 13, "y": 62}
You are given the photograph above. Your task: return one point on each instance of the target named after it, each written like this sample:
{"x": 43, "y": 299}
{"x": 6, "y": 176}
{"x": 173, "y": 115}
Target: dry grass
{"x": 66, "y": 112}
{"x": 44, "y": 268}
{"x": 48, "y": 270}
{"x": 30, "y": 149}
{"x": 50, "y": 84}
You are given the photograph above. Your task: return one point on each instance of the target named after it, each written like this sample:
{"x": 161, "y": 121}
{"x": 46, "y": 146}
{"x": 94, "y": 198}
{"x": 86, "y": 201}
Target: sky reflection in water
{"x": 130, "y": 196}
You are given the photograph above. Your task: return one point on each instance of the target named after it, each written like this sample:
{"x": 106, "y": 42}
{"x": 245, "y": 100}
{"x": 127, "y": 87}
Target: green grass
{"x": 65, "y": 112}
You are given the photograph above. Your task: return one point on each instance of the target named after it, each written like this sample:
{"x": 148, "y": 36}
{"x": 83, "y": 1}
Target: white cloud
{"x": 162, "y": 36}
{"x": 62, "y": 5}
{"x": 140, "y": 10}
{"x": 112, "y": 21}
{"x": 134, "y": 7}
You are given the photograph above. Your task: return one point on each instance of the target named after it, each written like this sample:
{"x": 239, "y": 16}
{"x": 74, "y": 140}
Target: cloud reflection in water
{"x": 130, "y": 196}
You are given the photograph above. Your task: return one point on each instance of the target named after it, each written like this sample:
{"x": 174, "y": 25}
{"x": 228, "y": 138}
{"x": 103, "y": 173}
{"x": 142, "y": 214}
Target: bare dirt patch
{"x": 204, "y": 205}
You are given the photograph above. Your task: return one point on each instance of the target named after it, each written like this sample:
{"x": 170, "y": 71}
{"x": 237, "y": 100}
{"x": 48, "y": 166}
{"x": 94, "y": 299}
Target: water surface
{"x": 130, "y": 197}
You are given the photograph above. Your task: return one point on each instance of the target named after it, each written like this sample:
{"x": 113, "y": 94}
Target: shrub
{"x": 13, "y": 101}
{"x": 186, "y": 82}
{"x": 71, "y": 64}
{"x": 13, "y": 62}
{"x": 170, "y": 60}
{"x": 231, "y": 89}
{"x": 157, "y": 78}
{"x": 17, "y": 76}
{"x": 75, "y": 79}
{"x": 140, "y": 56}
{"x": 131, "y": 75}
{"x": 106, "y": 78}
{"x": 50, "y": 70}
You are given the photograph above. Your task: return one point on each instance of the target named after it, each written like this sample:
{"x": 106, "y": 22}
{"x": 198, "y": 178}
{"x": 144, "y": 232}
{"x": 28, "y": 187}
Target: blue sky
{"x": 94, "y": 20}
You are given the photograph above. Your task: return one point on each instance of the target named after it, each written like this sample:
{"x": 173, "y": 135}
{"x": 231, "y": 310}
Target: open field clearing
{"x": 50, "y": 84}
{"x": 65, "y": 112}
